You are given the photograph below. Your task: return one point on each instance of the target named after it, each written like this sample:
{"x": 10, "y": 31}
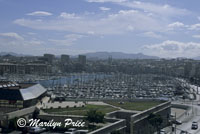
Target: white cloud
{"x": 74, "y": 36}
{"x": 14, "y": 39}
{"x": 118, "y": 23}
{"x": 160, "y": 13}
{"x": 152, "y": 8}
{"x": 40, "y": 13}
{"x": 91, "y": 32}
{"x": 68, "y": 15}
{"x": 13, "y": 42}
{"x": 13, "y": 36}
{"x": 151, "y": 35}
{"x": 198, "y": 18}
{"x": 67, "y": 41}
{"x": 31, "y": 33}
{"x": 64, "y": 42}
{"x": 102, "y": 1}
{"x": 126, "y": 12}
{"x": 196, "y": 36}
{"x": 104, "y": 8}
{"x": 158, "y": 9}
{"x": 143, "y": 17}
{"x": 195, "y": 27}
{"x": 174, "y": 49}
{"x": 176, "y": 24}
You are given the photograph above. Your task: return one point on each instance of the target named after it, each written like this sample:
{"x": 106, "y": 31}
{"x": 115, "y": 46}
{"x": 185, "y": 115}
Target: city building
{"x": 18, "y": 96}
{"x": 32, "y": 68}
{"x": 8, "y": 68}
{"x": 49, "y": 57}
{"x": 65, "y": 59}
{"x": 82, "y": 59}
{"x": 28, "y": 68}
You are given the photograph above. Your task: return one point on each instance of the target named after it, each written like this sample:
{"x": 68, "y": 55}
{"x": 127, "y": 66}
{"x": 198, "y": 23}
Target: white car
{"x": 83, "y": 131}
{"x": 183, "y": 132}
{"x": 34, "y": 130}
{"x": 194, "y": 125}
{"x": 162, "y": 131}
{"x": 71, "y": 131}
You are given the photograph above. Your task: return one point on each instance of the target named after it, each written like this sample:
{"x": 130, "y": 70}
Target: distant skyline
{"x": 162, "y": 28}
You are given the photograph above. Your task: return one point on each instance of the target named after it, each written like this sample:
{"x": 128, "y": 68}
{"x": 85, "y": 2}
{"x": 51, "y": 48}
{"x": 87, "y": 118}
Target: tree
{"x": 184, "y": 97}
{"x": 12, "y": 123}
{"x": 155, "y": 120}
{"x": 94, "y": 116}
{"x": 35, "y": 113}
{"x": 115, "y": 132}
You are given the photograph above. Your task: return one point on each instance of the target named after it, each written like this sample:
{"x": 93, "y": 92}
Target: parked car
{"x": 162, "y": 131}
{"x": 71, "y": 131}
{"x": 83, "y": 131}
{"x": 194, "y": 125}
{"x": 36, "y": 130}
{"x": 183, "y": 132}
{"x": 177, "y": 122}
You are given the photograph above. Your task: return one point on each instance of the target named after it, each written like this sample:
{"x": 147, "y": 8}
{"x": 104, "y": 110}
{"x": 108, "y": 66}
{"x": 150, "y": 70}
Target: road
{"x": 189, "y": 117}
{"x": 192, "y": 115}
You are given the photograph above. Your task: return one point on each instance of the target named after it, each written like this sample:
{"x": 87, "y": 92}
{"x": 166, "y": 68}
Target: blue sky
{"x": 164, "y": 28}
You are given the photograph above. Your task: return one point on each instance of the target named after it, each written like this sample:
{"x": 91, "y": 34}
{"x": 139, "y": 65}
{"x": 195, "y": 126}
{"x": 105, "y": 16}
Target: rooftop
{"x": 14, "y": 85}
{"x": 20, "y": 91}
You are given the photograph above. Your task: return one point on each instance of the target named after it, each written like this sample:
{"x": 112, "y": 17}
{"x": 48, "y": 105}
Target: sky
{"x": 164, "y": 28}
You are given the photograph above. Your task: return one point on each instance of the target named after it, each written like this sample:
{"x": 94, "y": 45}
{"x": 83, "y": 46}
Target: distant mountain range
{"x": 12, "y": 54}
{"x": 119, "y": 55}
{"x": 197, "y": 58}
{"x": 98, "y": 55}
{"x": 105, "y": 55}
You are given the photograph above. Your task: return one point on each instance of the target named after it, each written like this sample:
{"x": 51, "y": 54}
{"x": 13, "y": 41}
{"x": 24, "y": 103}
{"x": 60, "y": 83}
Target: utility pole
{"x": 192, "y": 108}
{"x": 175, "y": 122}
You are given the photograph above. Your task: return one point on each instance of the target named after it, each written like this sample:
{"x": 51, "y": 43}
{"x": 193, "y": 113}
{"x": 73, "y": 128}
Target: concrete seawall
{"x": 140, "y": 124}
